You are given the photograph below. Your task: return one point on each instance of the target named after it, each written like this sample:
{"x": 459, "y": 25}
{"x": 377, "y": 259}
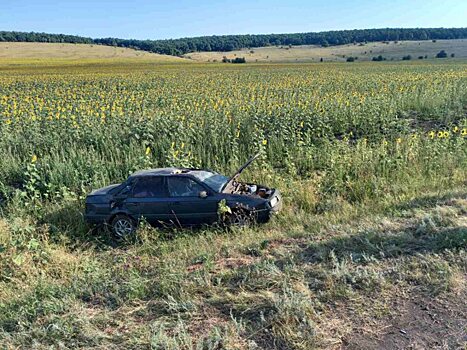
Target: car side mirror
{"x": 203, "y": 194}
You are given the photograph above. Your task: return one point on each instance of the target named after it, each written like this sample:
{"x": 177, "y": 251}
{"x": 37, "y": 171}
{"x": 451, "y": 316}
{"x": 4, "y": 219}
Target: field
{"x": 369, "y": 251}
{"x": 47, "y": 51}
{"x": 365, "y": 52}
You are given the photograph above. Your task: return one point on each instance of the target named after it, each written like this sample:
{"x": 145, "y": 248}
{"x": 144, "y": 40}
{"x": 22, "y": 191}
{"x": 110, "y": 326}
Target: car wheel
{"x": 240, "y": 218}
{"x": 123, "y": 226}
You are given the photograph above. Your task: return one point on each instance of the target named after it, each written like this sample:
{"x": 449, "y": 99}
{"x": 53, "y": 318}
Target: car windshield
{"x": 213, "y": 180}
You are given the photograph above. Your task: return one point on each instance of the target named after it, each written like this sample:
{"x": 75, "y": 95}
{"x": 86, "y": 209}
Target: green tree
{"x": 441, "y": 54}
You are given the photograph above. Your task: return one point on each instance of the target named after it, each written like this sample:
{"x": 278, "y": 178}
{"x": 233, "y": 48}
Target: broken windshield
{"x": 213, "y": 180}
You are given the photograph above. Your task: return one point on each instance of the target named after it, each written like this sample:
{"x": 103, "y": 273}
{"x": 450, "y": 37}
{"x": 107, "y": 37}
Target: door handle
{"x": 131, "y": 204}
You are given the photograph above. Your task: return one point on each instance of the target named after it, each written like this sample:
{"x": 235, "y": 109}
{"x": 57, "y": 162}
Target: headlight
{"x": 273, "y": 202}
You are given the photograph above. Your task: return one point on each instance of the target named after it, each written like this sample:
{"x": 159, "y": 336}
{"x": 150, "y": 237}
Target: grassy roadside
{"x": 302, "y": 281}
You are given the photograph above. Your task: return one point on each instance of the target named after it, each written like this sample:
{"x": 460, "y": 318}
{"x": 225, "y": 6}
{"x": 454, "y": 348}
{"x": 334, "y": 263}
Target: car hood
{"x": 104, "y": 190}
{"x": 235, "y": 176}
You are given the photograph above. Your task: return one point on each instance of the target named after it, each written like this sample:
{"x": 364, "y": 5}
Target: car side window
{"x": 183, "y": 187}
{"x": 151, "y": 187}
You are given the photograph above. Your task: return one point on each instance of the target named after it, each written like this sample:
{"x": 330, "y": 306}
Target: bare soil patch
{"x": 417, "y": 323}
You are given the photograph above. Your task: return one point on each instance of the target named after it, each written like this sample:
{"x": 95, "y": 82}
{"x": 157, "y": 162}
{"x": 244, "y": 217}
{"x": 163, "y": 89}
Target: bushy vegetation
{"x": 234, "y": 60}
{"x": 235, "y": 42}
{"x": 441, "y": 54}
{"x": 378, "y": 58}
{"x": 363, "y": 154}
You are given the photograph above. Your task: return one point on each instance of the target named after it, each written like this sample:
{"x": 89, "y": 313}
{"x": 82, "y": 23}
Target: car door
{"x": 187, "y": 205}
{"x": 149, "y": 199}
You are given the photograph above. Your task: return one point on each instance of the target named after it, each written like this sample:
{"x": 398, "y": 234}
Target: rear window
{"x": 151, "y": 187}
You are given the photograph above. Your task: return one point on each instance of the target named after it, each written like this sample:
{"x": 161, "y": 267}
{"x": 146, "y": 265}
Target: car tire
{"x": 122, "y": 226}
{"x": 240, "y": 218}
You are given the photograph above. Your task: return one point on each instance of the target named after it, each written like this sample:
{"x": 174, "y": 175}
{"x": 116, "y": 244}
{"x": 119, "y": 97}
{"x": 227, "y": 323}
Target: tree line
{"x": 43, "y": 38}
{"x": 182, "y": 46}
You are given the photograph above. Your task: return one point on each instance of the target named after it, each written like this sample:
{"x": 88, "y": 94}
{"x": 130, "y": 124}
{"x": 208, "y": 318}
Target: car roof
{"x": 163, "y": 172}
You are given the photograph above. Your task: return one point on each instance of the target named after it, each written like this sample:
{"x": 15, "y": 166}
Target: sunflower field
{"x": 84, "y": 126}
{"x": 371, "y": 159}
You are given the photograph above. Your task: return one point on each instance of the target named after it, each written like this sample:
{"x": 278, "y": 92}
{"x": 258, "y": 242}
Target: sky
{"x": 156, "y": 19}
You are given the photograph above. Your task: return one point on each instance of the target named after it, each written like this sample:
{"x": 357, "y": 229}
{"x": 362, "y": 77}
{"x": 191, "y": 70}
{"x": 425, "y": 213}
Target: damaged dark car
{"x": 181, "y": 196}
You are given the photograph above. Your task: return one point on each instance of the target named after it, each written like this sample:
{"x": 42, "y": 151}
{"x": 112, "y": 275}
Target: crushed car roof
{"x": 161, "y": 171}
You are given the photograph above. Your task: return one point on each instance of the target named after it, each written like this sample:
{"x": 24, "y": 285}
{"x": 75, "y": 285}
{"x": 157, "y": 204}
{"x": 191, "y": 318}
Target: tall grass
{"x": 352, "y": 149}
{"x": 344, "y": 123}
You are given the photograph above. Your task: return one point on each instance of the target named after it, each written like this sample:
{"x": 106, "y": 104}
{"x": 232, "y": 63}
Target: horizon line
{"x": 224, "y": 35}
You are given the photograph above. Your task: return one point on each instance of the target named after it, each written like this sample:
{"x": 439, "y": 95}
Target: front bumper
{"x": 264, "y": 215}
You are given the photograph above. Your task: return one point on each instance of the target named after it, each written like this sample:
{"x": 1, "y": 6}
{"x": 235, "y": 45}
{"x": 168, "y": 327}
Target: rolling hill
{"x": 393, "y": 50}
{"x": 33, "y": 50}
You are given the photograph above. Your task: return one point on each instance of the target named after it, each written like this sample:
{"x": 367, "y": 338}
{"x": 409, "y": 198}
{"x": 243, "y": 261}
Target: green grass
{"x": 374, "y": 205}
{"x": 275, "y": 284}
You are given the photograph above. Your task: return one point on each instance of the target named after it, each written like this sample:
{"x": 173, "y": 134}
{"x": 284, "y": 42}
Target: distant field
{"x": 392, "y": 50}
{"x": 9, "y": 50}
{"x": 284, "y": 54}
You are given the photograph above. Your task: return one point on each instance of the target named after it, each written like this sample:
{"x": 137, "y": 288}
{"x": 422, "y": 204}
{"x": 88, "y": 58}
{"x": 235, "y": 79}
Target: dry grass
{"x": 9, "y": 50}
{"x": 349, "y": 278}
{"x": 339, "y": 53}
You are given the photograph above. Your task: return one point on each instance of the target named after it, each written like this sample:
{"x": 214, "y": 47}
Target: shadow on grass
{"x": 429, "y": 201}
{"x": 434, "y": 233}
{"x": 380, "y": 245}
{"x": 67, "y": 222}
